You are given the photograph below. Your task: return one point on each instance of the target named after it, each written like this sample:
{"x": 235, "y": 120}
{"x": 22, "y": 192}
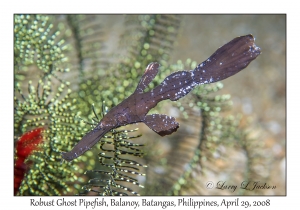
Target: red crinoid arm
{"x": 27, "y": 143}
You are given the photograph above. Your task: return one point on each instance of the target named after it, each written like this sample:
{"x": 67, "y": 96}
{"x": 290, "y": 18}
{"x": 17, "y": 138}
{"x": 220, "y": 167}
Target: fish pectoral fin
{"x": 161, "y": 124}
{"x": 149, "y": 74}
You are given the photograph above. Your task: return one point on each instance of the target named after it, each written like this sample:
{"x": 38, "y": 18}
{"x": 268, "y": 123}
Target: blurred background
{"x": 181, "y": 164}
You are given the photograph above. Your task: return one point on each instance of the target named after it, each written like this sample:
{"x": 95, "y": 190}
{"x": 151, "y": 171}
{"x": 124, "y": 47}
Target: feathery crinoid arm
{"x": 227, "y": 60}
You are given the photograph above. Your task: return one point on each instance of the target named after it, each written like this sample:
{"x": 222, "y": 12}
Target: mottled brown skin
{"x": 225, "y": 62}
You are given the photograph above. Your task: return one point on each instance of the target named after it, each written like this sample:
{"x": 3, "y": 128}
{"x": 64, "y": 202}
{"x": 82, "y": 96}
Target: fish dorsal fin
{"x": 161, "y": 124}
{"x": 148, "y": 76}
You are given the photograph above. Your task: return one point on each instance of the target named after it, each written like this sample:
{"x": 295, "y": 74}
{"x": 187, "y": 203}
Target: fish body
{"x": 225, "y": 62}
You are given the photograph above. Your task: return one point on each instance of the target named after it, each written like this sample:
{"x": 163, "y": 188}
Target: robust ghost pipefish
{"x": 225, "y": 62}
